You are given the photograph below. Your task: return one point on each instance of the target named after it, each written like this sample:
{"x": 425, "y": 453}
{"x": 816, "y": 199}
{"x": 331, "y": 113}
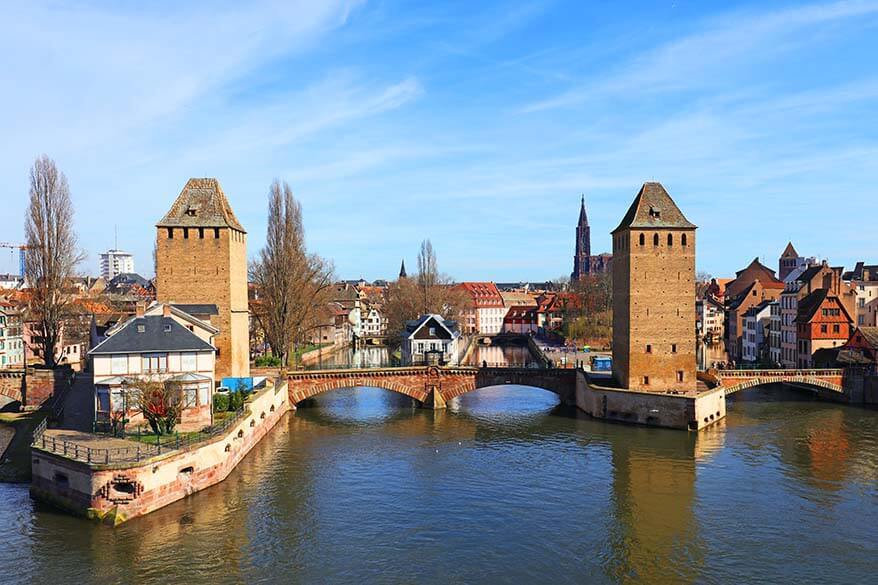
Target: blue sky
{"x": 475, "y": 124}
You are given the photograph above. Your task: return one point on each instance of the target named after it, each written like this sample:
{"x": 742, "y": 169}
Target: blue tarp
{"x": 235, "y": 384}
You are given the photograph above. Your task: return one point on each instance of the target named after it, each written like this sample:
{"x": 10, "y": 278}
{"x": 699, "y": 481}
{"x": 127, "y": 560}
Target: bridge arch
{"x": 304, "y": 388}
{"x": 732, "y": 381}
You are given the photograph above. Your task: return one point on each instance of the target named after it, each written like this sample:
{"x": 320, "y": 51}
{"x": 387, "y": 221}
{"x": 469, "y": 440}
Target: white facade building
{"x": 754, "y": 340}
{"x": 116, "y": 262}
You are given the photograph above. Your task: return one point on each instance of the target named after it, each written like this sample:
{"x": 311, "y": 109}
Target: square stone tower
{"x": 654, "y": 295}
{"x": 201, "y": 258}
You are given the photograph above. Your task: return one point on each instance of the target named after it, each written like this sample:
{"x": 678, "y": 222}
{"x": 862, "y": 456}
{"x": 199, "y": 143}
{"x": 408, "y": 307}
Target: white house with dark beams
{"x": 162, "y": 343}
{"x": 431, "y": 339}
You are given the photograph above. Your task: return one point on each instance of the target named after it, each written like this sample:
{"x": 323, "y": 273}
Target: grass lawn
{"x": 16, "y": 463}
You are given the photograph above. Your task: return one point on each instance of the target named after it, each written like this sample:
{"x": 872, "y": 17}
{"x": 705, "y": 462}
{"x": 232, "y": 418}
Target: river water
{"x": 506, "y": 486}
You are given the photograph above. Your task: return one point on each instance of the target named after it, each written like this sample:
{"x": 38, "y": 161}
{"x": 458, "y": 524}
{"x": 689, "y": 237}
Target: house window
{"x": 823, "y": 329}
{"x": 188, "y": 362}
{"x": 190, "y": 396}
{"x": 119, "y": 364}
{"x": 432, "y": 331}
{"x": 155, "y": 362}
{"x": 836, "y": 328}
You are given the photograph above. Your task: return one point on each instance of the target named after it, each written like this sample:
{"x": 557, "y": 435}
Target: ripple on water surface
{"x": 504, "y": 486}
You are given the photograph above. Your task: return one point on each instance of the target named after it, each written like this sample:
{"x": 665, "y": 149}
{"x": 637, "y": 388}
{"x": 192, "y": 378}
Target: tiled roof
{"x": 151, "y": 333}
{"x": 654, "y": 208}
{"x": 483, "y": 294}
{"x": 789, "y": 251}
{"x": 808, "y": 306}
{"x": 870, "y": 334}
{"x": 201, "y": 203}
{"x": 197, "y": 309}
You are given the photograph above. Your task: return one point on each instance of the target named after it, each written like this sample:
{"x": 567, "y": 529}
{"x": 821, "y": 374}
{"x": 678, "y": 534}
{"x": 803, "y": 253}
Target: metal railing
{"x": 775, "y": 373}
{"x": 138, "y": 450}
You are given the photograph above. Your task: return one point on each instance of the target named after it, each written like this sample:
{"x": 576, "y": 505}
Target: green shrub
{"x": 267, "y": 361}
{"x": 220, "y": 402}
{"x": 236, "y": 400}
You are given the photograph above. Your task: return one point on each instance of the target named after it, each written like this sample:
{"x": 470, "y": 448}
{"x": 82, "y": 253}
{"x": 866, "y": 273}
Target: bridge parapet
{"x": 818, "y": 379}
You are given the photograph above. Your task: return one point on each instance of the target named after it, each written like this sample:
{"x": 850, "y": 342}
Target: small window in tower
{"x": 200, "y": 233}
{"x": 642, "y": 239}
{"x": 679, "y": 375}
{"x": 673, "y": 348}
{"x": 170, "y": 233}
{"x": 192, "y": 210}
{"x": 655, "y": 212}
{"x": 683, "y": 239}
{"x": 670, "y": 240}
{"x": 646, "y": 380}
{"x": 215, "y": 233}
{"x": 648, "y": 348}
{"x": 185, "y": 233}
{"x": 655, "y": 240}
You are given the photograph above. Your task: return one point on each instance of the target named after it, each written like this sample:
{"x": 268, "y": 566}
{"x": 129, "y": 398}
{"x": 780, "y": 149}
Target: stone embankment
{"x": 114, "y": 480}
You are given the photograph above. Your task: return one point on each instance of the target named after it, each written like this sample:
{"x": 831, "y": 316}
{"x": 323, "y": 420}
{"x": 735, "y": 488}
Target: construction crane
{"x": 21, "y": 251}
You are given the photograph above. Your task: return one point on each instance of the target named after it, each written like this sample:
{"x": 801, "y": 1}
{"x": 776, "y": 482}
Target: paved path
{"x": 79, "y": 405}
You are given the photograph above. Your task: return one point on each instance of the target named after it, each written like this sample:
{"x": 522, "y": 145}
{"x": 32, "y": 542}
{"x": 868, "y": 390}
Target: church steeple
{"x": 402, "y": 273}
{"x": 582, "y": 258}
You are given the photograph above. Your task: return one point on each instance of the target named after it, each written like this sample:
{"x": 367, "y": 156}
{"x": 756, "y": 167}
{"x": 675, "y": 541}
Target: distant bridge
{"x": 431, "y": 386}
{"x": 819, "y": 380}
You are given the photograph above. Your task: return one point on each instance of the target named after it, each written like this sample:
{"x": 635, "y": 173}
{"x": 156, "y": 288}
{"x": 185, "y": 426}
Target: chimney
{"x": 139, "y": 309}
{"x": 166, "y": 310}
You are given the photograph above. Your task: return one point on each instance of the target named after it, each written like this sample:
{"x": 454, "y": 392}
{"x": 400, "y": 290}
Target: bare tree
{"x": 430, "y": 292}
{"x": 294, "y": 286}
{"x": 52, "y": 255}
{"x": 428, "y": 272}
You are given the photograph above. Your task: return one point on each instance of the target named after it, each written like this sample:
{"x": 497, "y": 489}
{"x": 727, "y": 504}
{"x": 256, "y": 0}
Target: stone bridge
{"x": 819, "y": 380}
{"x": 430, "y": 386}
{"x": 11, "y": 387}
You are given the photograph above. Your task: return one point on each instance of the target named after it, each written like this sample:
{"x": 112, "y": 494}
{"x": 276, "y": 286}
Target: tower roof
{"x": 402, "y": 273}
{"x": 654, "y": 208}
{"x": 201, "y": 203}
{"x": 789, "y": 251}
{"x": 583, "y": 217}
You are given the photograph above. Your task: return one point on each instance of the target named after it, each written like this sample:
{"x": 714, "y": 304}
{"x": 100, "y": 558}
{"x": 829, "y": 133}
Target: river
{"x": 506, "y": 486}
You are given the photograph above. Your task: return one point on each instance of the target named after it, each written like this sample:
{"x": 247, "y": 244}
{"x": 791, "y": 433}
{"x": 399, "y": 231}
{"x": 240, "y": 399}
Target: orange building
{"x": 823, "y": 322}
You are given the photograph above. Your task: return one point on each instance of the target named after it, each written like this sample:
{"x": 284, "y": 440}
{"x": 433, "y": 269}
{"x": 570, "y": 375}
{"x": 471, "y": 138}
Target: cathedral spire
{"x": 583, "y": 217}
{"x": 402, "y": 273}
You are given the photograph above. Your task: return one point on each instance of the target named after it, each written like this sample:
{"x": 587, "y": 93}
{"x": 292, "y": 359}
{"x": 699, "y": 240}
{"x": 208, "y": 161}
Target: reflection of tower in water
{"x": 653, "y": 537}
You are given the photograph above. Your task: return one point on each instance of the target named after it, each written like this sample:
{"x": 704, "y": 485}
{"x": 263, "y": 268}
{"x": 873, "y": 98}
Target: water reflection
{"x": 506, "y": 486}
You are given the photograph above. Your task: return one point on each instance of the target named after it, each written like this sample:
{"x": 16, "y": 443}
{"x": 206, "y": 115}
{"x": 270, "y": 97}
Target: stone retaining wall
{"x": 115, "y": 493}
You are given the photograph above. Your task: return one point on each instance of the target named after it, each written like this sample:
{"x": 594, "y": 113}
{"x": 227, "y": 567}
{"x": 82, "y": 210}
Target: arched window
{"x": 642, "y": 240}
{"x": 655, "y": 239}
{"x": 683, "y": 239}
{"x": 670, "y": 240}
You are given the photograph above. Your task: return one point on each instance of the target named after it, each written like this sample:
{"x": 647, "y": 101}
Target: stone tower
{"x": 654, "y": 295}
{"x": 789, "y": 261}
{"x": 582, "y": 258}
{"x": 201, "y": 258}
